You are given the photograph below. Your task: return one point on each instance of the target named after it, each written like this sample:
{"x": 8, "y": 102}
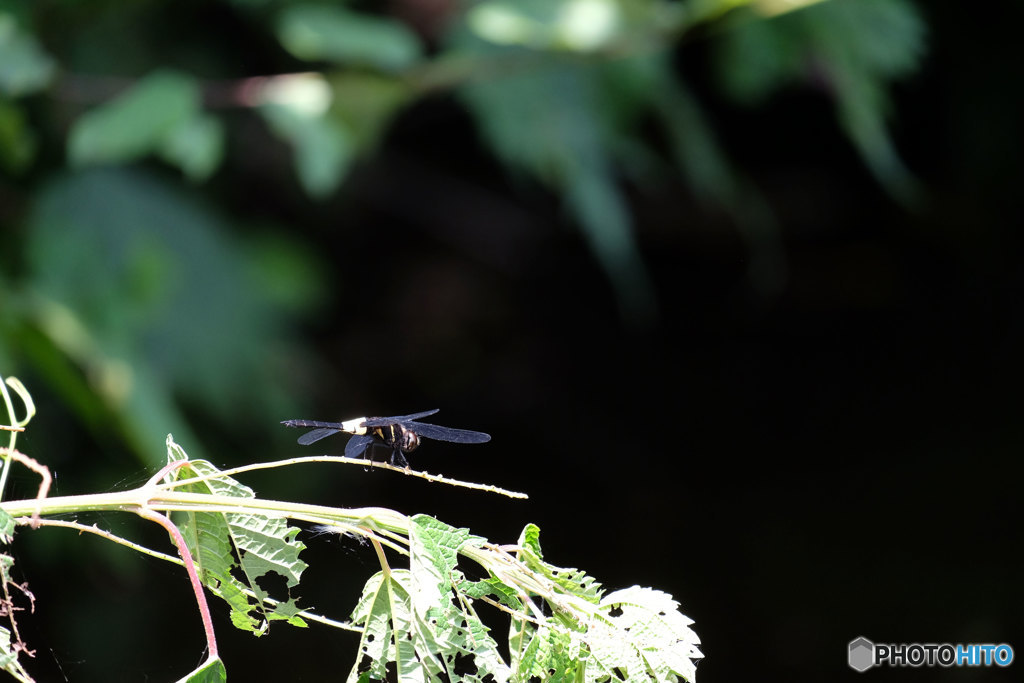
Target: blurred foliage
{"x": 150, "y": 313}
{"x": 121, "y": 285}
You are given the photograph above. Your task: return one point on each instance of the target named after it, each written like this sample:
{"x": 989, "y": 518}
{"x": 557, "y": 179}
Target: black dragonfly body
{"x": 400, "y": 433}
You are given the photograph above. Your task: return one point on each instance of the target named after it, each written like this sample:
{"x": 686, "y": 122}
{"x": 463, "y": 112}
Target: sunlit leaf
{"x": 553, "y": 24}
{"x": 414, "y": 624}
{"x": 571, "y": 580}
{"x": 640, "y": 631}
{"x": 235, "y": 551}
{"x": 211, "y": 671}
{"x": 9, "y": 657}
{"x": 6, "y": 527}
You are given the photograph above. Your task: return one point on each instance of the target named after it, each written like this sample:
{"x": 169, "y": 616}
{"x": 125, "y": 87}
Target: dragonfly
{"x": 400, "y": 433}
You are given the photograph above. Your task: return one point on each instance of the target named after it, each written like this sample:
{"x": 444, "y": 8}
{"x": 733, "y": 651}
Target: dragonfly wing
{"x": 357, "y": 444}
{"x": 316, "y": 435}
{"x": 382, "y": 421}
{"x": 448, "y": 434}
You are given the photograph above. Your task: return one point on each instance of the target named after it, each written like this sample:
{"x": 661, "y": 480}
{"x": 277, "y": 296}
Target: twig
{"x": 44, "y": 475}
{"x": 348, "y": 461}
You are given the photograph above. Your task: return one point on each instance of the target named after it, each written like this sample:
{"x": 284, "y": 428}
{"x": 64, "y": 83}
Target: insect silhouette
{"x": 400, "y": 433}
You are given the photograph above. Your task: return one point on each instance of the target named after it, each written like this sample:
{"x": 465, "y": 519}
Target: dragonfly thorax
{"x": 399, "y": 437}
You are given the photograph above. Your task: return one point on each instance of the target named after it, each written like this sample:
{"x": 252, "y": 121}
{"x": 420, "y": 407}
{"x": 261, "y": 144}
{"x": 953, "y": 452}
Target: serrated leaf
{"x": 135, "y": 123}
{"x": 385, "y": 612}
{"x": 330, "y": 33}
{"x": 225, "y": 545}
{"x": 448, "y": 625}
{"x": 433, "y": 554}
{"x": 492, "y": 587}
{"x": 9, "y": 657}
{"x": 640, "y": 633}
{"x": 572, "y": 581}
{"x": 548, "y": 654}
{"x": 6, "y": 527}
{"x": 414, "y": 626}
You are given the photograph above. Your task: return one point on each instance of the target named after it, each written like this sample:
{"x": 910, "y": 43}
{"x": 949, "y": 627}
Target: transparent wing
{"x": 448, "y": 434}
{"x": 382, "y": 421}
{"x": 316, "y": 435}
{"x": 357, "y": 444}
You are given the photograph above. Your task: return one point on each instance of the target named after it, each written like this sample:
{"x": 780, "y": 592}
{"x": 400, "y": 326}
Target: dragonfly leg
{"x": 368, "y": 456}
{"x": 398, "y": 459}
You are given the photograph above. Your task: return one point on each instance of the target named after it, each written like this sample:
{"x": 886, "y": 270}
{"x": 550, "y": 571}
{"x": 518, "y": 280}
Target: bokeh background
{"x": 736, "y": 290}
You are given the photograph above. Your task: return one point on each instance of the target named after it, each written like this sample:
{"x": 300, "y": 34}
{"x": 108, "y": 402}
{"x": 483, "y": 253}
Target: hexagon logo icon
{"x": 861, "y": 654}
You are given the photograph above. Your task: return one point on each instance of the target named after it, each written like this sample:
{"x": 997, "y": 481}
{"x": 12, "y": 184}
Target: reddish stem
{"x": 193, "y": 575}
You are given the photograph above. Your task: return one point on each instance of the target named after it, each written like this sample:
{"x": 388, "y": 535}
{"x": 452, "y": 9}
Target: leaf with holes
{"x": 256, "y": 546}
{"x": 640, "y": 634}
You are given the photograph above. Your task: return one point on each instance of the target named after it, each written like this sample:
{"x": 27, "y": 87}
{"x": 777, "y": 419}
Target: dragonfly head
{"x": 408, "y": 441}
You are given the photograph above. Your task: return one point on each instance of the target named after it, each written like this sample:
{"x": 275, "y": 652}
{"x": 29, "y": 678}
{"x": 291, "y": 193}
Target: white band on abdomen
{"x": 356, "y": 426}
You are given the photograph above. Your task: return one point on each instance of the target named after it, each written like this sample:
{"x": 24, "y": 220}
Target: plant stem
{"x": 193, "y": 576}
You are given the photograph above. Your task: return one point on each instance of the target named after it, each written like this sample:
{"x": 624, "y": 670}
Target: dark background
{"x": 798, "y": 467}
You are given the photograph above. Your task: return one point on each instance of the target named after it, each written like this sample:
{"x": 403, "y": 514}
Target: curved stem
{"x": 193, "y": 575}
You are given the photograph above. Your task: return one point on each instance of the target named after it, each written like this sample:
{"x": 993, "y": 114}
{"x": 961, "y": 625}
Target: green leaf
{"x": 322, "y": 147}
{"x": 433, "y": 555}
{"x": 163, "y": 315}
{"x": 579, "y": 25}
{"x": 229, "y": 545}
{"x": 569, "y": 143}
{"x": 329, "y": 33}
{"x": 6, "y": 527}
{"x": 211, "y": 671}
{"x": 136, "y": 123}
{"x": 852, "y": 48}
{"x": 881, "y": 37}
{"x": 9, "y": 657}
{"x": 548, "y": 654}
{"x": 450, "y": 626}
{"x": 640, "y": 632}
{"x": 572, "y": 581}
{"x": 24, "y": 66}
{"x": 196, "y": 146}
{"x": 878, "y": 41}
{"x": 366, "y": 102}
{"x": 17, "y": 142}
{"x": 414, "y": 627}
{"x": 754, "y": 58}
{"x": 492, "y": 587}
{"x": 412, "y": 646}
